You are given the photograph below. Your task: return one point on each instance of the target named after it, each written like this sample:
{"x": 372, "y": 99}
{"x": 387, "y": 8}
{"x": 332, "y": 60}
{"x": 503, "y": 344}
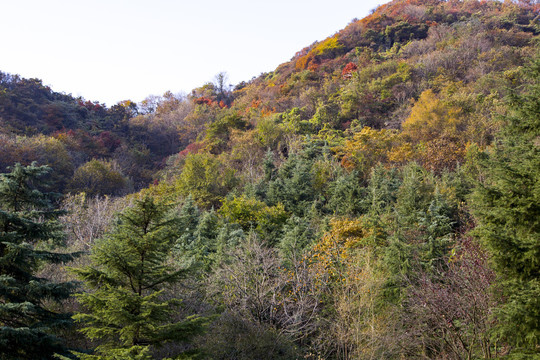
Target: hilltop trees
{"x": 29, "y": 311}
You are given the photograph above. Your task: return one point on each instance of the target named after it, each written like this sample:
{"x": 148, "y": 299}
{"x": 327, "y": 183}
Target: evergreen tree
{"x": 293, "y": 186}
{"x": 507, "y": 206}
{"x": 382, "y": 190}
{"x": 438, "y": 227}
{"x": 188, "y": 221}
{"x": 268, "y": 166}
{"x": 346, "y": 195}
{"x": 413, "y": 196}
{"x": 297, "y": 235}
{"x": 230, "y": 235}
{"x": 28, "y": 218}
{"x": 205, "y": 246}
{"x": 127, "y": 311}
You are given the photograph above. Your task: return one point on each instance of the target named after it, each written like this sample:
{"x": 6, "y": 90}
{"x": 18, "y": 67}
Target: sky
{"x": 114, "y": 50}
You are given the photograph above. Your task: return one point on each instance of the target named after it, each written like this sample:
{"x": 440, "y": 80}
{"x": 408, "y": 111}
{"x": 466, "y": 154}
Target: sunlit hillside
{"x": 374, "y": 197}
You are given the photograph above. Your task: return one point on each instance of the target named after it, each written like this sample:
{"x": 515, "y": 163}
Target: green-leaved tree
{"x": 28, "y": 316}
{"x": 507, "y": 206}
{"x": 127, "y": 312}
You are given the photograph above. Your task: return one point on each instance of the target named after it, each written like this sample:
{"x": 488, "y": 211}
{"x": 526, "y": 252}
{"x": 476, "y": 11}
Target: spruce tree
{"x": 27, "y": 218}
{"x": 507, "y": 207}
{"x": 297, "y": 235}
{"x": 229, "y": 236}
{"x": 293, "y": 186}
{"x": 268, "y": 166}
{"x": 205, "y": 246}
{"x": 346, "y": 196}
{"x": 382, "y": 190}
{"x": 188, "y": 222}
{"x": 126, "y": 308}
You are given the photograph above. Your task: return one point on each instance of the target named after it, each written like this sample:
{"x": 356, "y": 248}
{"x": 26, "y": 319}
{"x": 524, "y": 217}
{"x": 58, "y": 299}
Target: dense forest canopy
{"x": 375, "y": 197}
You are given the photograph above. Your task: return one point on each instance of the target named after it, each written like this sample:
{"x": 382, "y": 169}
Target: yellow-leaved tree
{"x": 346, "y": 262}
{"x": 367, "y": 148}
{"x": 435, "y": 130}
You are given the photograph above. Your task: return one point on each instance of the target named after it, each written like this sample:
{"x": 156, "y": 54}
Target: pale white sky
{"x": 113, "y": 50}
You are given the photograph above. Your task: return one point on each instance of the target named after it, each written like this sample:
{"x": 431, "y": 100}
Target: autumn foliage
{"x": 346, "y": 205}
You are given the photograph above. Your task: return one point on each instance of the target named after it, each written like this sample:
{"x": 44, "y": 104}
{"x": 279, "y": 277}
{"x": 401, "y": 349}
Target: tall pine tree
{"x": 27, "y": 218}
{"x": 507, "y": 206}
{"x": 126, "y": 310}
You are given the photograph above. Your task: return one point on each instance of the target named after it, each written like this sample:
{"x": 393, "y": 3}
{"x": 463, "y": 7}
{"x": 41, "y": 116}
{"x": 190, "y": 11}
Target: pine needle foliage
{"x": 28, "y": 320}
{"x": 507, "y": 206}
{"x": 127, "y": 310}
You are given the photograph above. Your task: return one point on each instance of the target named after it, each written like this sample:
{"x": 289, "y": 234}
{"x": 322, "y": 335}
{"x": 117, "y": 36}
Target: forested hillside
{"x": 375, "y": 197}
